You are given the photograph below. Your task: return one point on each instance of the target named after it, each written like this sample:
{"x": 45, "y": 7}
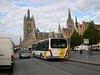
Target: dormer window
{"x": 39, "y": 34}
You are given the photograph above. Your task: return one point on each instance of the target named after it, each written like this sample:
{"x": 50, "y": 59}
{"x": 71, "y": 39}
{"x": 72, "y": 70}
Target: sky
{"x": 47, "y": 14}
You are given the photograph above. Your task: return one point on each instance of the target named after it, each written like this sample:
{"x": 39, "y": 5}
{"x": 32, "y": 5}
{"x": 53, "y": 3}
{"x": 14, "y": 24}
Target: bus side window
{"x": 33, "y": 47}
{"x": 40, "y": 46}
{"x": 36, "y": 46}
{"x": 46, "y": 45}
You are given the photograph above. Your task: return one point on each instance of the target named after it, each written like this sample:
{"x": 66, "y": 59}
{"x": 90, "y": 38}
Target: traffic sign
{"x": 86, "y": 41}
{"x": 86, "y": 52}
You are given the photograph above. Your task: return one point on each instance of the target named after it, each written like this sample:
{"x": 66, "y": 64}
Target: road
{"x": 36, "y": 66}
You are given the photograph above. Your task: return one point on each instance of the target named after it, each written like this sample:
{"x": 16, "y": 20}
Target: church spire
{"x": 59, "y": 29}
{"x": 76, "y": 21}
{"x": 33, "y": 21}
{"x": 70, "y": 23}
{"x": 69, "y": 14}
{"x": 28, "y": 15}
{"x": 25, "y": 17}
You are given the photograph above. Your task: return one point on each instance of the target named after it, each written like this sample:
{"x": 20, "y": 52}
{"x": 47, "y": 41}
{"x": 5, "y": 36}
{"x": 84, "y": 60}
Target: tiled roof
{"x": 67, "y": 29}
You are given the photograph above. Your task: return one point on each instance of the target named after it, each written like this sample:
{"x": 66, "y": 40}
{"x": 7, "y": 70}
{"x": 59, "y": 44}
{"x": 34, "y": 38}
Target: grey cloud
{"x": 47, "y": 13}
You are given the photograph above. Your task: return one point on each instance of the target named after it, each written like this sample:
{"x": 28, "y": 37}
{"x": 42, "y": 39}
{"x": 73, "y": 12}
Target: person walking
{"x": 90, "y": 48}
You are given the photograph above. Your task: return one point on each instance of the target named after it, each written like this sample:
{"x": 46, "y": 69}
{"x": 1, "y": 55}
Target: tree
{"x": 76, "y": 39}
{"x": 92, "y": 34}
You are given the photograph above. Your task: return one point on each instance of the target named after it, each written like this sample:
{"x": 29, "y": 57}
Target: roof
{"x": 67, "y": 29}
{"x": 97, "y": 26}
{"x": 6, "y": 38}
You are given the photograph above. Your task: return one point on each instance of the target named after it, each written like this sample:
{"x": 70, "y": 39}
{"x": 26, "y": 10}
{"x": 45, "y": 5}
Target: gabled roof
{"x": 67, "y": 29}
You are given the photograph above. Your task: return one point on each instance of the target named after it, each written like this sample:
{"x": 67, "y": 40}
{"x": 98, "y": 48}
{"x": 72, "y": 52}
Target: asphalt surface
{"x": 36, "y": 66}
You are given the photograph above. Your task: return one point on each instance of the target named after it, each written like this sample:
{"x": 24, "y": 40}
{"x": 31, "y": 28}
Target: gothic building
{"x": 32, "y": 34}
{"x": 66, "y": 32}
{"x": 80, "y": 28}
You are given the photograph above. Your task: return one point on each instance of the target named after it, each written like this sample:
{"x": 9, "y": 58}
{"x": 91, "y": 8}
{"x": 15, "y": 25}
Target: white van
{"x": 6, "y": 53}
{"x": 84, "y": 47}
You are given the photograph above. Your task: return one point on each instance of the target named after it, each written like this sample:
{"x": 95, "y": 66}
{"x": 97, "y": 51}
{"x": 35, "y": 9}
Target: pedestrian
{"x": 81, "y": 49}
{"x": 90, "y": 50}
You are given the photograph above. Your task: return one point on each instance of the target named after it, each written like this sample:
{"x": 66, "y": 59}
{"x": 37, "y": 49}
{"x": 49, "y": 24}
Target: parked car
{"x": 24, "y": 54}
{"x": 78, "y": 48}
{"x": 6, "y": 53}
{"x": 84, "y": 47}
{"x": 96, "y": 47}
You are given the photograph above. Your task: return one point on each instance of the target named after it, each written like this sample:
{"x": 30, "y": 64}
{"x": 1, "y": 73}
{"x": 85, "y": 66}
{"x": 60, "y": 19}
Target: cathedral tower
{"x": 70, "y": 23}
{"x": 20, "y": 39}
{"x": 29, "y": 26}
{"x": 76, "y": 24}
{"x": 31, "y": 34}
{"x": 59, "y": 29}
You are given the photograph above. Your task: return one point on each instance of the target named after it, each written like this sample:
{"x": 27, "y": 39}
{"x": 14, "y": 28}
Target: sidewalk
{"x": 85, "y": 58}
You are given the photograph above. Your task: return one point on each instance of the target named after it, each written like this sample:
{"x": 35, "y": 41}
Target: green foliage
{"x": 76, "y": 39}
{"x": 92, "y": 34}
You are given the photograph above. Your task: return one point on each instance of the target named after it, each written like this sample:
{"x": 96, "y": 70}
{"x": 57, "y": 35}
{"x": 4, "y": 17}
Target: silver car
{"x": 24, "y": 54}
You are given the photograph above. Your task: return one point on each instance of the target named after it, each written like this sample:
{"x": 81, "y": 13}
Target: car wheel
{"x": 11, "y": 68}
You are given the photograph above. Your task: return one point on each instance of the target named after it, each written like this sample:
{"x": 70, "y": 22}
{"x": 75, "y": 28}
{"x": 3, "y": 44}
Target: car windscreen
{"x": 24, "y": 51}
{"x": 58, "y": 43}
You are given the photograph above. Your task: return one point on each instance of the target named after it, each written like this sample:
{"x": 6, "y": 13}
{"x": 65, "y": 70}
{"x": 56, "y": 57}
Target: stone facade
{"x": 80, "y": 28}
{"x": 32, "y": 34}
{"x": 66, "y": 32}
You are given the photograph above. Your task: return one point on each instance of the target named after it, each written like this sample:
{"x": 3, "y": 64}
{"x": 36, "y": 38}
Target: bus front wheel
{"x": 41, "y": 57}
{"x": 33, "y": 54}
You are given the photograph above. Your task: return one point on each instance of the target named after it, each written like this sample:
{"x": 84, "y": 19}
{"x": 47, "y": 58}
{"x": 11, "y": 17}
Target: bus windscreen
{"x": 58, "y": 43}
